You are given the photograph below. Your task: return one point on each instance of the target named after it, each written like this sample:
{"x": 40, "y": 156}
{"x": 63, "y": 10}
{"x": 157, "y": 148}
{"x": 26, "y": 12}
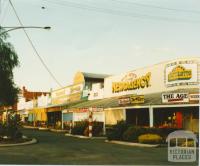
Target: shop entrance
{"x": 54, "y": 118}
{"x": 138, "y": 116}
{"x": 177, "y": 117}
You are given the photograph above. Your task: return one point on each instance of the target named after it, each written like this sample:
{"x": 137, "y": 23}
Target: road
{"x": 55, "y": 148}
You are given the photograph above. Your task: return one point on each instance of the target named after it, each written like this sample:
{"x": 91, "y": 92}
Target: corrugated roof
{"x": 149, "y": 99}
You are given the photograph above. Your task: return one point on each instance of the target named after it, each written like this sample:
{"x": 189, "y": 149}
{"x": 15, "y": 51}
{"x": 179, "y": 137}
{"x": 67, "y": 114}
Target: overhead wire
{"x": 32, "y": 45}
{"x": 157, "y": 7}
{"x": 117, "y": 12}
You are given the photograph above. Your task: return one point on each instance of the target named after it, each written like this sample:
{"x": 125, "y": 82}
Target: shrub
{"x": 150, "y": 139}
{"x": 116, "y": 133}
{"x": 58, "y": 125}
{"x": 2, "y": 130}
{"x": 97, "y": 128}
{"x": 164, "y": 132}
{"x": 132, "y": 133}
{"x": 79, "y": 127}
{"x": 10, "y": 128}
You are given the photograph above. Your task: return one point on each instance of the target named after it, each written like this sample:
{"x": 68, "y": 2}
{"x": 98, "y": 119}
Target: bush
{"x": 79, "y": 127}
{"x": 2, "y": 129}
{"x": 10, "y": 129}
{"x": 116, "y": 133}
{"x": 97, "y": 128}
{"x": 132, "y": 133}
{"x": 58, "y": 125}
{"x": 164, "y": 132}
{"x": 150, "y": 139}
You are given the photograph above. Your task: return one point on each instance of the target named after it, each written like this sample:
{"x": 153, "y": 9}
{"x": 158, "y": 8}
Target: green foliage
{"x": 97, "y": 129}
{"x": 8, "y": 61}
{"x": 79, "y": 127}
{"x": 58, "y": 125}
{"x": 116, "y": 133}
{"x": 82, "y": 128}
{"x": 125, "y": 132}
{"x": 150, "y": 139}
{"x": 132, "y": 133}
{"x": 10, "y": 129}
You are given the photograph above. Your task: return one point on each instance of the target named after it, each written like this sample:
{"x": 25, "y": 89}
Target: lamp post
{"x": 22, "y": 27}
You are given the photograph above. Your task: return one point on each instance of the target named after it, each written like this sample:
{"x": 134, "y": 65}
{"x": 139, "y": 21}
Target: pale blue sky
{"x": 92, "y": 40}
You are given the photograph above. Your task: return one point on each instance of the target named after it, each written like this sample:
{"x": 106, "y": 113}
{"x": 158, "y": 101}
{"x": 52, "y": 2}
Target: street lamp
{"x": 22, "y": 27}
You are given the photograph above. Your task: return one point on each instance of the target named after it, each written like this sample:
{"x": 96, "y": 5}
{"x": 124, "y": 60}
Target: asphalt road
{"x": 55, "y": 148}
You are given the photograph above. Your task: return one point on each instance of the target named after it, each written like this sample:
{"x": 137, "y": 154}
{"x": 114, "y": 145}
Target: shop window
{"x": 195, "y": 114}
{"x": 139, "y": 117}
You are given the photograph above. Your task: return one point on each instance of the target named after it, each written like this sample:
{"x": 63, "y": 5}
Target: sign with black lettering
{"x": 135, "y": 99}
{"x": 175, "y": 98}
{"x": 194, "y": 97}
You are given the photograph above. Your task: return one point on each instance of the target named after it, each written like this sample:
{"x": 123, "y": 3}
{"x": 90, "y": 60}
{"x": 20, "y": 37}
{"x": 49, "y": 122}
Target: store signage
{"x": 181, "y": 73}
{"x": 75, "y": 89}
{"x": 132, "y": 83}
{"x": 194, "y": 97}
{"x": 67, "y": 94}
{"x": 175, "y": 97}
{"x": 74, "y": 97}
{"x": 138, "y": 99}
{"x": 79, "y": 110}
{"x": 97, "y": 109}
{"x": 124, "y": 101}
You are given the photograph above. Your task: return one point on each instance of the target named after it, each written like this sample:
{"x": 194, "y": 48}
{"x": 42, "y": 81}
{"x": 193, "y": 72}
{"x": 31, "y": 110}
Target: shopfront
{"x": 183, "y": 117}
{"x": 163, "y": 95}
{"x": 138, "y": 116}
{"x": 54, "y": 117}
{"x": 113, "y": 115}
{"x": 37, "y": 116}
{"x": 67, "y": 119}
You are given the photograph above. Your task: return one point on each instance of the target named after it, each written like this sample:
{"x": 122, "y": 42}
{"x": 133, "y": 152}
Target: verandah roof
{"x": 149, "y": 99}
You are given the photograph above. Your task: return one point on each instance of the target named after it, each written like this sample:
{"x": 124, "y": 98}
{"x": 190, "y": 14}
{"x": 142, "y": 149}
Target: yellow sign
{"x": 180, "y": 73}
{"x": 75, "y": 89}
{"x": 137, "y": 83}
{"x": 137, "y": 99}
{"x": 74, "y": 97}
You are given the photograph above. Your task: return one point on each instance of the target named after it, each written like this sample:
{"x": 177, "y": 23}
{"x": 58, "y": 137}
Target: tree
{"x": 8, "y": 61}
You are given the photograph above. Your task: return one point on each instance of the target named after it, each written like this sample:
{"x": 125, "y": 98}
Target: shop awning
{"x": 101, "y": 103}
{"x": 149, "y": 99}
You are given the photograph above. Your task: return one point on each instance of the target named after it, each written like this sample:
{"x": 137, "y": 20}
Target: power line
{"x": 32, "y": 45}
{"x": 158, "y": 7}
{"x": 118, "y": 12}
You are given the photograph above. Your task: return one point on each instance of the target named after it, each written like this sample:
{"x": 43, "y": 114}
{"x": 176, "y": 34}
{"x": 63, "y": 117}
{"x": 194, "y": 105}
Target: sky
{"x": 101, "y": 36}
